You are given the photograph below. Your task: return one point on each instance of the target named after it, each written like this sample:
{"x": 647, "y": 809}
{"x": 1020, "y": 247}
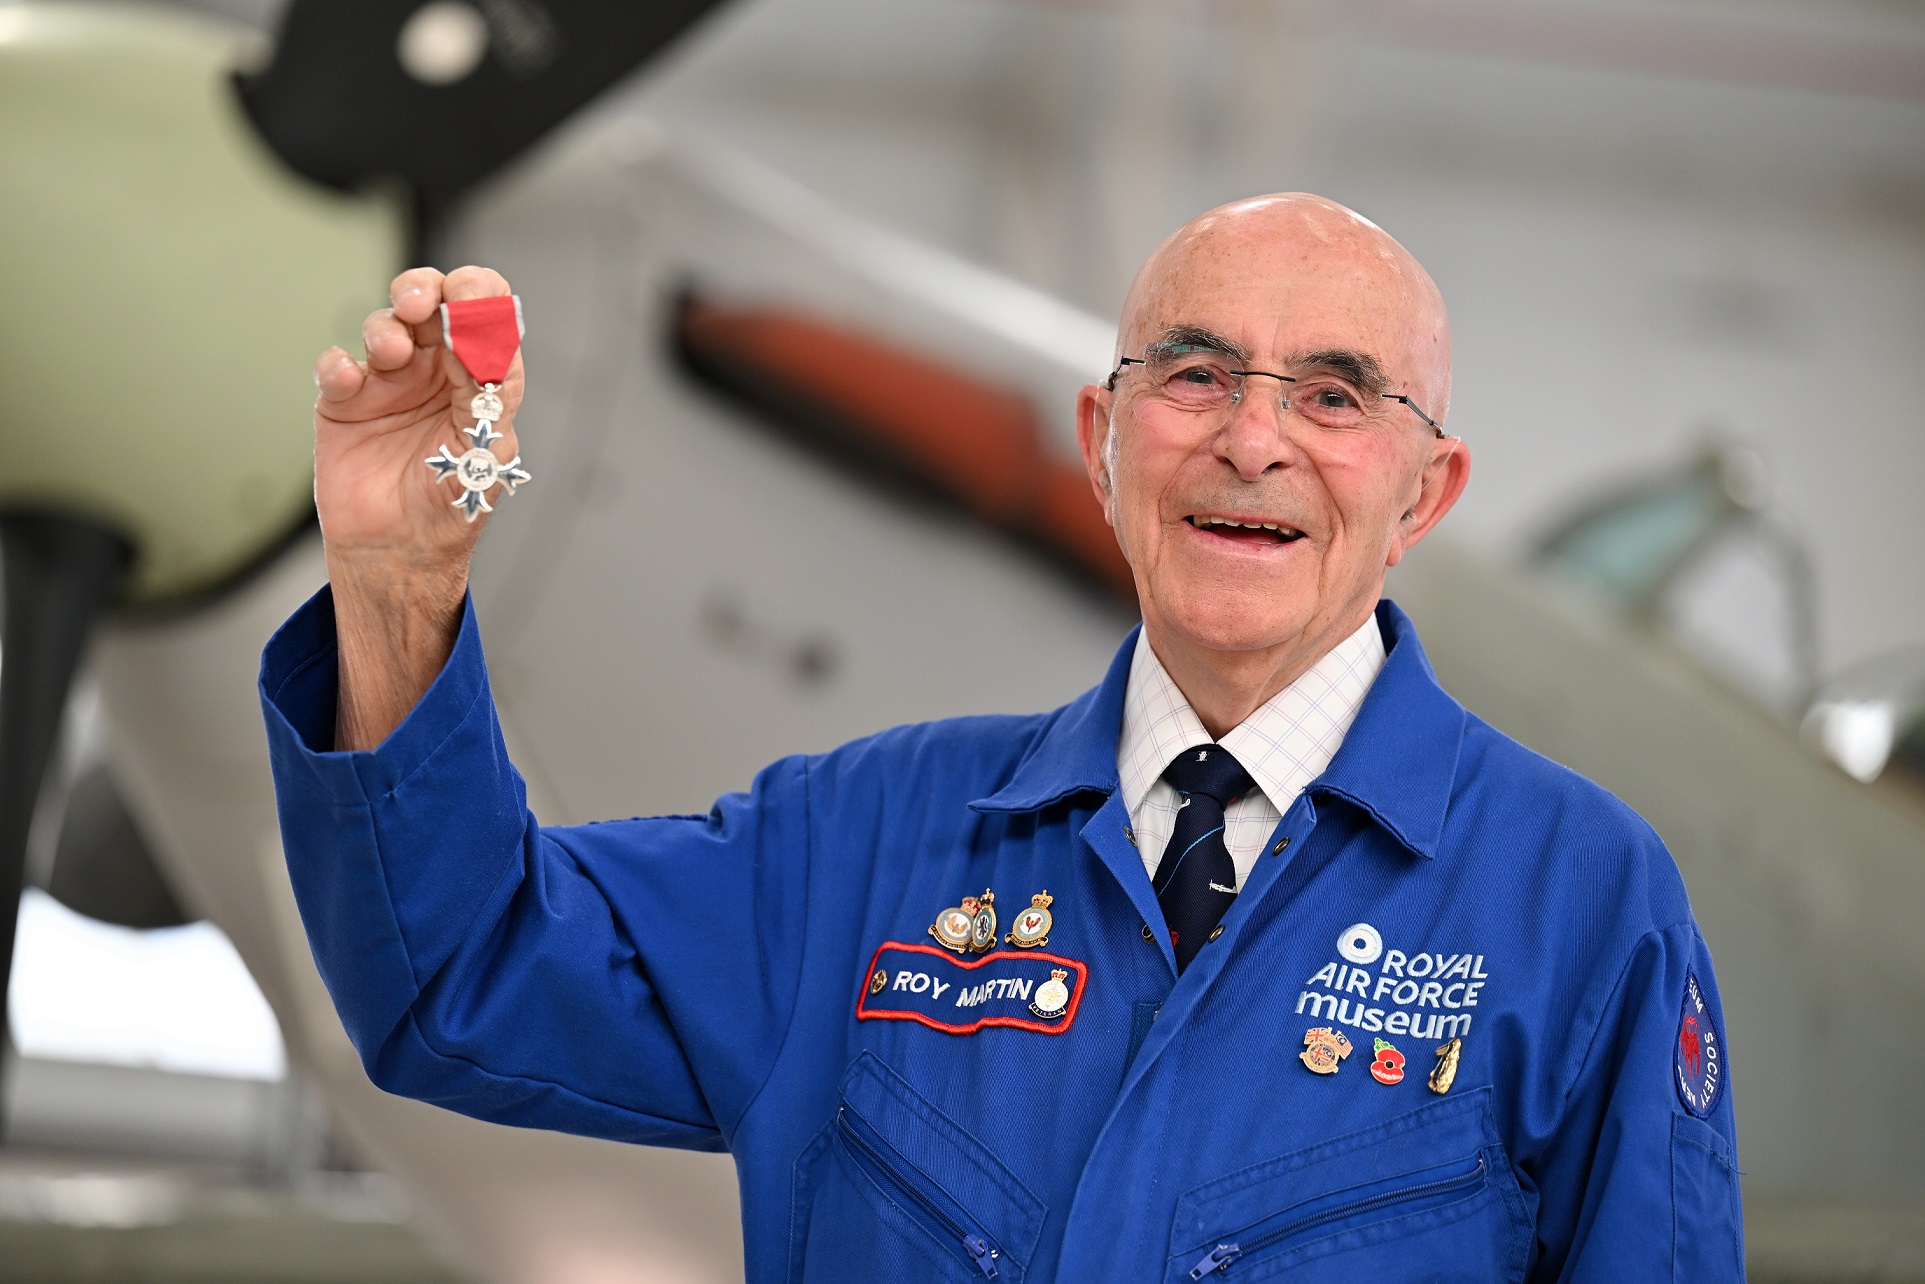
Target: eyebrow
{"x": 1359, "y": 369}
{"x": 1181, "y": 338}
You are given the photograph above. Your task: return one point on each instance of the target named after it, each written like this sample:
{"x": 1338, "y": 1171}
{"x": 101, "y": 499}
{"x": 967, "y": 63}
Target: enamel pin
{"x": 1323, "y": 1048}
{"x": 877, "y": 980}
{"x": 968, "y": 928}
{"x": 1445, "y": 1072}
{"x": 1031, "y": 928}
{"x": 951, "y": 928}
{"x": 1388, "y": 1068}
{"x": 483, "y": 334}
{"x": 1052, "y": 996}
{"x": 982, "y": 923}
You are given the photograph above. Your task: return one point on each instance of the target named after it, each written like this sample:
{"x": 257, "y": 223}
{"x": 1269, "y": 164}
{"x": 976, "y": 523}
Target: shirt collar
{"x": 1397, "y": 763}
{"x": 1284, "y": 744}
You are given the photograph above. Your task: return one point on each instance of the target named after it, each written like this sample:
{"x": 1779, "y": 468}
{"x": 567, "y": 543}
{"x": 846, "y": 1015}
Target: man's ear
{"x": 1446, "y": 473}
{"x": 1093, "y": 406}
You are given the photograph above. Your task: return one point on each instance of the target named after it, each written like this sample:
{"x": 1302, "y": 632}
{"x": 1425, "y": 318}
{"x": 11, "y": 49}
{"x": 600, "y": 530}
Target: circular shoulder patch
{"x": 1697, "y": 1054}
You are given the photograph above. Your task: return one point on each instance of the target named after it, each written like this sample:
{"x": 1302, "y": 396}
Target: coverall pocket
{"x": 1429, "y": 1192}
{"x": 1705, "y": 1210}
{"x": 893, "y": 1189}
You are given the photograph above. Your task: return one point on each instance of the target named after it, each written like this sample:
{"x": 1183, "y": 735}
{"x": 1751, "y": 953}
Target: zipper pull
{"x": 982, "y": 1254}
{"x": 1215, "y": 1260}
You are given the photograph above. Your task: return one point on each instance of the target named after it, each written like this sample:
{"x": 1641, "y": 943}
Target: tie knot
{"x": 1208, "y": 770}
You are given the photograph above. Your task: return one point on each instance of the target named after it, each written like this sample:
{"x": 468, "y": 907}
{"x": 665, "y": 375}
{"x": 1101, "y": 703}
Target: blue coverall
{"x": 763, "y": 980}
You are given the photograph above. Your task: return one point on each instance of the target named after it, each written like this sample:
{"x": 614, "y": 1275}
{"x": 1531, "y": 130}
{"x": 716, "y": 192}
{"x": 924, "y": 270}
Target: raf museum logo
{"x": 1425, "y": 995}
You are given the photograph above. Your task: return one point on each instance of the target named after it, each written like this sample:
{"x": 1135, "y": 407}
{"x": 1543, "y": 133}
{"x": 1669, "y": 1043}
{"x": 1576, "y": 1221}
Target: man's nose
{"x": 1256, "y": 439}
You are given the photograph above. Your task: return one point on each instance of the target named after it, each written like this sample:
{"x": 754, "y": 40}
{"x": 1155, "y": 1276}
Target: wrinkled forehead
{"x": 1284, "y": 286}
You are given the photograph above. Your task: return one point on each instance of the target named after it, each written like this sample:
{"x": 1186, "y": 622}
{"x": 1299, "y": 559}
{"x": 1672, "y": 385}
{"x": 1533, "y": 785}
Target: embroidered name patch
{"x": 1030, "y": 991}
{"x": 1697, "y": 1056}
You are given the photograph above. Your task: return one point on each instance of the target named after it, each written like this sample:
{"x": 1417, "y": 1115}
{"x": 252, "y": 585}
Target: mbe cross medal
{"x": 483, "y": 334}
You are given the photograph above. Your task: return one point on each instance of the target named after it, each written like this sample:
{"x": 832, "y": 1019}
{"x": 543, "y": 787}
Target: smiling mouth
{"x": 1243, "y": 531}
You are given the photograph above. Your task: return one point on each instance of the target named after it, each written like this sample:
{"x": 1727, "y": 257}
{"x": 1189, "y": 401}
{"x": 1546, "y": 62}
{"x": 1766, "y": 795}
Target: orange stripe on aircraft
{"x": 949, "y": 431}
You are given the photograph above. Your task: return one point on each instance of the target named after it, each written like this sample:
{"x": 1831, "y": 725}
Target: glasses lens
{"x": 1193, "y": 381}
{"x": 1328, "y": 403}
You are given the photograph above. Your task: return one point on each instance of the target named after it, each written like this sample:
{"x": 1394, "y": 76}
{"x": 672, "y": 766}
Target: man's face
{"x": 1322, "y": 511}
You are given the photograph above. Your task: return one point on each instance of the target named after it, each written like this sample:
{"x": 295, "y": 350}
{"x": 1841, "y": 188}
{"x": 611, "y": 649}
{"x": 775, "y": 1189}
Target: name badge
{"x": 921, "y": 983}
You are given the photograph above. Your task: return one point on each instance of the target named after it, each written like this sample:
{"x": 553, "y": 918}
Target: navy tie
{"x": 1197, "y": 880}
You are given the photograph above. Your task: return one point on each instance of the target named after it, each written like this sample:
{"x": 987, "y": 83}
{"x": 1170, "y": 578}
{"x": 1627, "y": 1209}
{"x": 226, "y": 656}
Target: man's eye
{"x": 1198, "y": 375}
{"x": 1332, "y": 397}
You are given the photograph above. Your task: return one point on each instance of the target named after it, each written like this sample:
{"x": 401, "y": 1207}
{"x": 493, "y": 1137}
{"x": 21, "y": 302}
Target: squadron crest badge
{"x": 1052, "y": 996}
{"x": 951, "y": 928}
{"x": 1031, "y": 928}
{"x": 1323, "y": 1048}
{"x": 968, "y": 928}
{"x": 982, "y": 923}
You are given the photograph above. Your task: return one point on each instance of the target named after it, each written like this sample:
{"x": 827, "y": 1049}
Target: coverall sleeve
{"x": 631, "y": 980}
{"x": 1640, "y": 1180}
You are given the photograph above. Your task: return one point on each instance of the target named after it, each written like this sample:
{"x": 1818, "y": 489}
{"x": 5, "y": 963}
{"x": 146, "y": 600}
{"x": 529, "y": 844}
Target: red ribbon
{"x": 483, "y": 334}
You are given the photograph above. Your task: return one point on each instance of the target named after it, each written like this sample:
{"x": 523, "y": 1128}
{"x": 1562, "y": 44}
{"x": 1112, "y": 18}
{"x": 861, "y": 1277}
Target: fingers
{"x": 474, "y": 283}
{"x": 416, "y": 295}
{"x": 338, "y": 375}
{"x": 389, "y": 343}
{"x": 399, "y": 340}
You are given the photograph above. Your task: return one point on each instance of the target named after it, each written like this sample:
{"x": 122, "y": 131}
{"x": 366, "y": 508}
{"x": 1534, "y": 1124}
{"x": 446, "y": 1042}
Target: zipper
{"x": 1220, "y": 1257}
{"x": 981, "y": 1253}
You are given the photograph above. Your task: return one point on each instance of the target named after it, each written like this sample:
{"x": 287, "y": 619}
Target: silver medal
{"x": 478, "y": 469}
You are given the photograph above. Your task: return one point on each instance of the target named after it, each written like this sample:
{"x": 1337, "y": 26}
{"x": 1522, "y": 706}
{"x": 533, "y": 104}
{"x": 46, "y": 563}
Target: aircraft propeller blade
{"x": 61, "y": 572}
{"x": 103, "y": 866}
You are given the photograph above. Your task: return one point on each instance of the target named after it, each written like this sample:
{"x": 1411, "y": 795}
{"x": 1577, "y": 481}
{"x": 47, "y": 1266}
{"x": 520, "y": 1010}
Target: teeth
{"x": 1278, "y": 527}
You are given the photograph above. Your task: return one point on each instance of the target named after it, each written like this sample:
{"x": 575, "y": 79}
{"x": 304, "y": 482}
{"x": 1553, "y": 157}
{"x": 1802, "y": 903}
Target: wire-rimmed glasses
{"x": 1204, "y": 380}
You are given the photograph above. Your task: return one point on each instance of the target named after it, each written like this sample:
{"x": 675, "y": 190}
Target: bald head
{"x": 1304, "y": 264}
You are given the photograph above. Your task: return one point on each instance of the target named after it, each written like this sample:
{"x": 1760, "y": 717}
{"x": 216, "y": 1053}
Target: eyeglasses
{"x": 1202, "y": 381}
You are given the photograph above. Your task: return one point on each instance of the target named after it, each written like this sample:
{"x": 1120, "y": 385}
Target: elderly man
{"x": 1263, "y": 955}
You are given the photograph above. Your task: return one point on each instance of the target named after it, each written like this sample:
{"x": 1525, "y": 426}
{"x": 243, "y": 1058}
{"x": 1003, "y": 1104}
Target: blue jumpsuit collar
{"x": 1076, "y": 753}
{"x": 1398, "y": 763}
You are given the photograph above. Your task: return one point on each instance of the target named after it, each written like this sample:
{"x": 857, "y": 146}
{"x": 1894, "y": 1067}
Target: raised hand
{"x": 377, "y": 420}
{"x": 397, "y": 549}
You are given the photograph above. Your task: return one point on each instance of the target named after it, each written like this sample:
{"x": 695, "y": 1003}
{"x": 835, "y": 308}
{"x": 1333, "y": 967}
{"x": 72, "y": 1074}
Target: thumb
{"x": 338, "y": 376}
